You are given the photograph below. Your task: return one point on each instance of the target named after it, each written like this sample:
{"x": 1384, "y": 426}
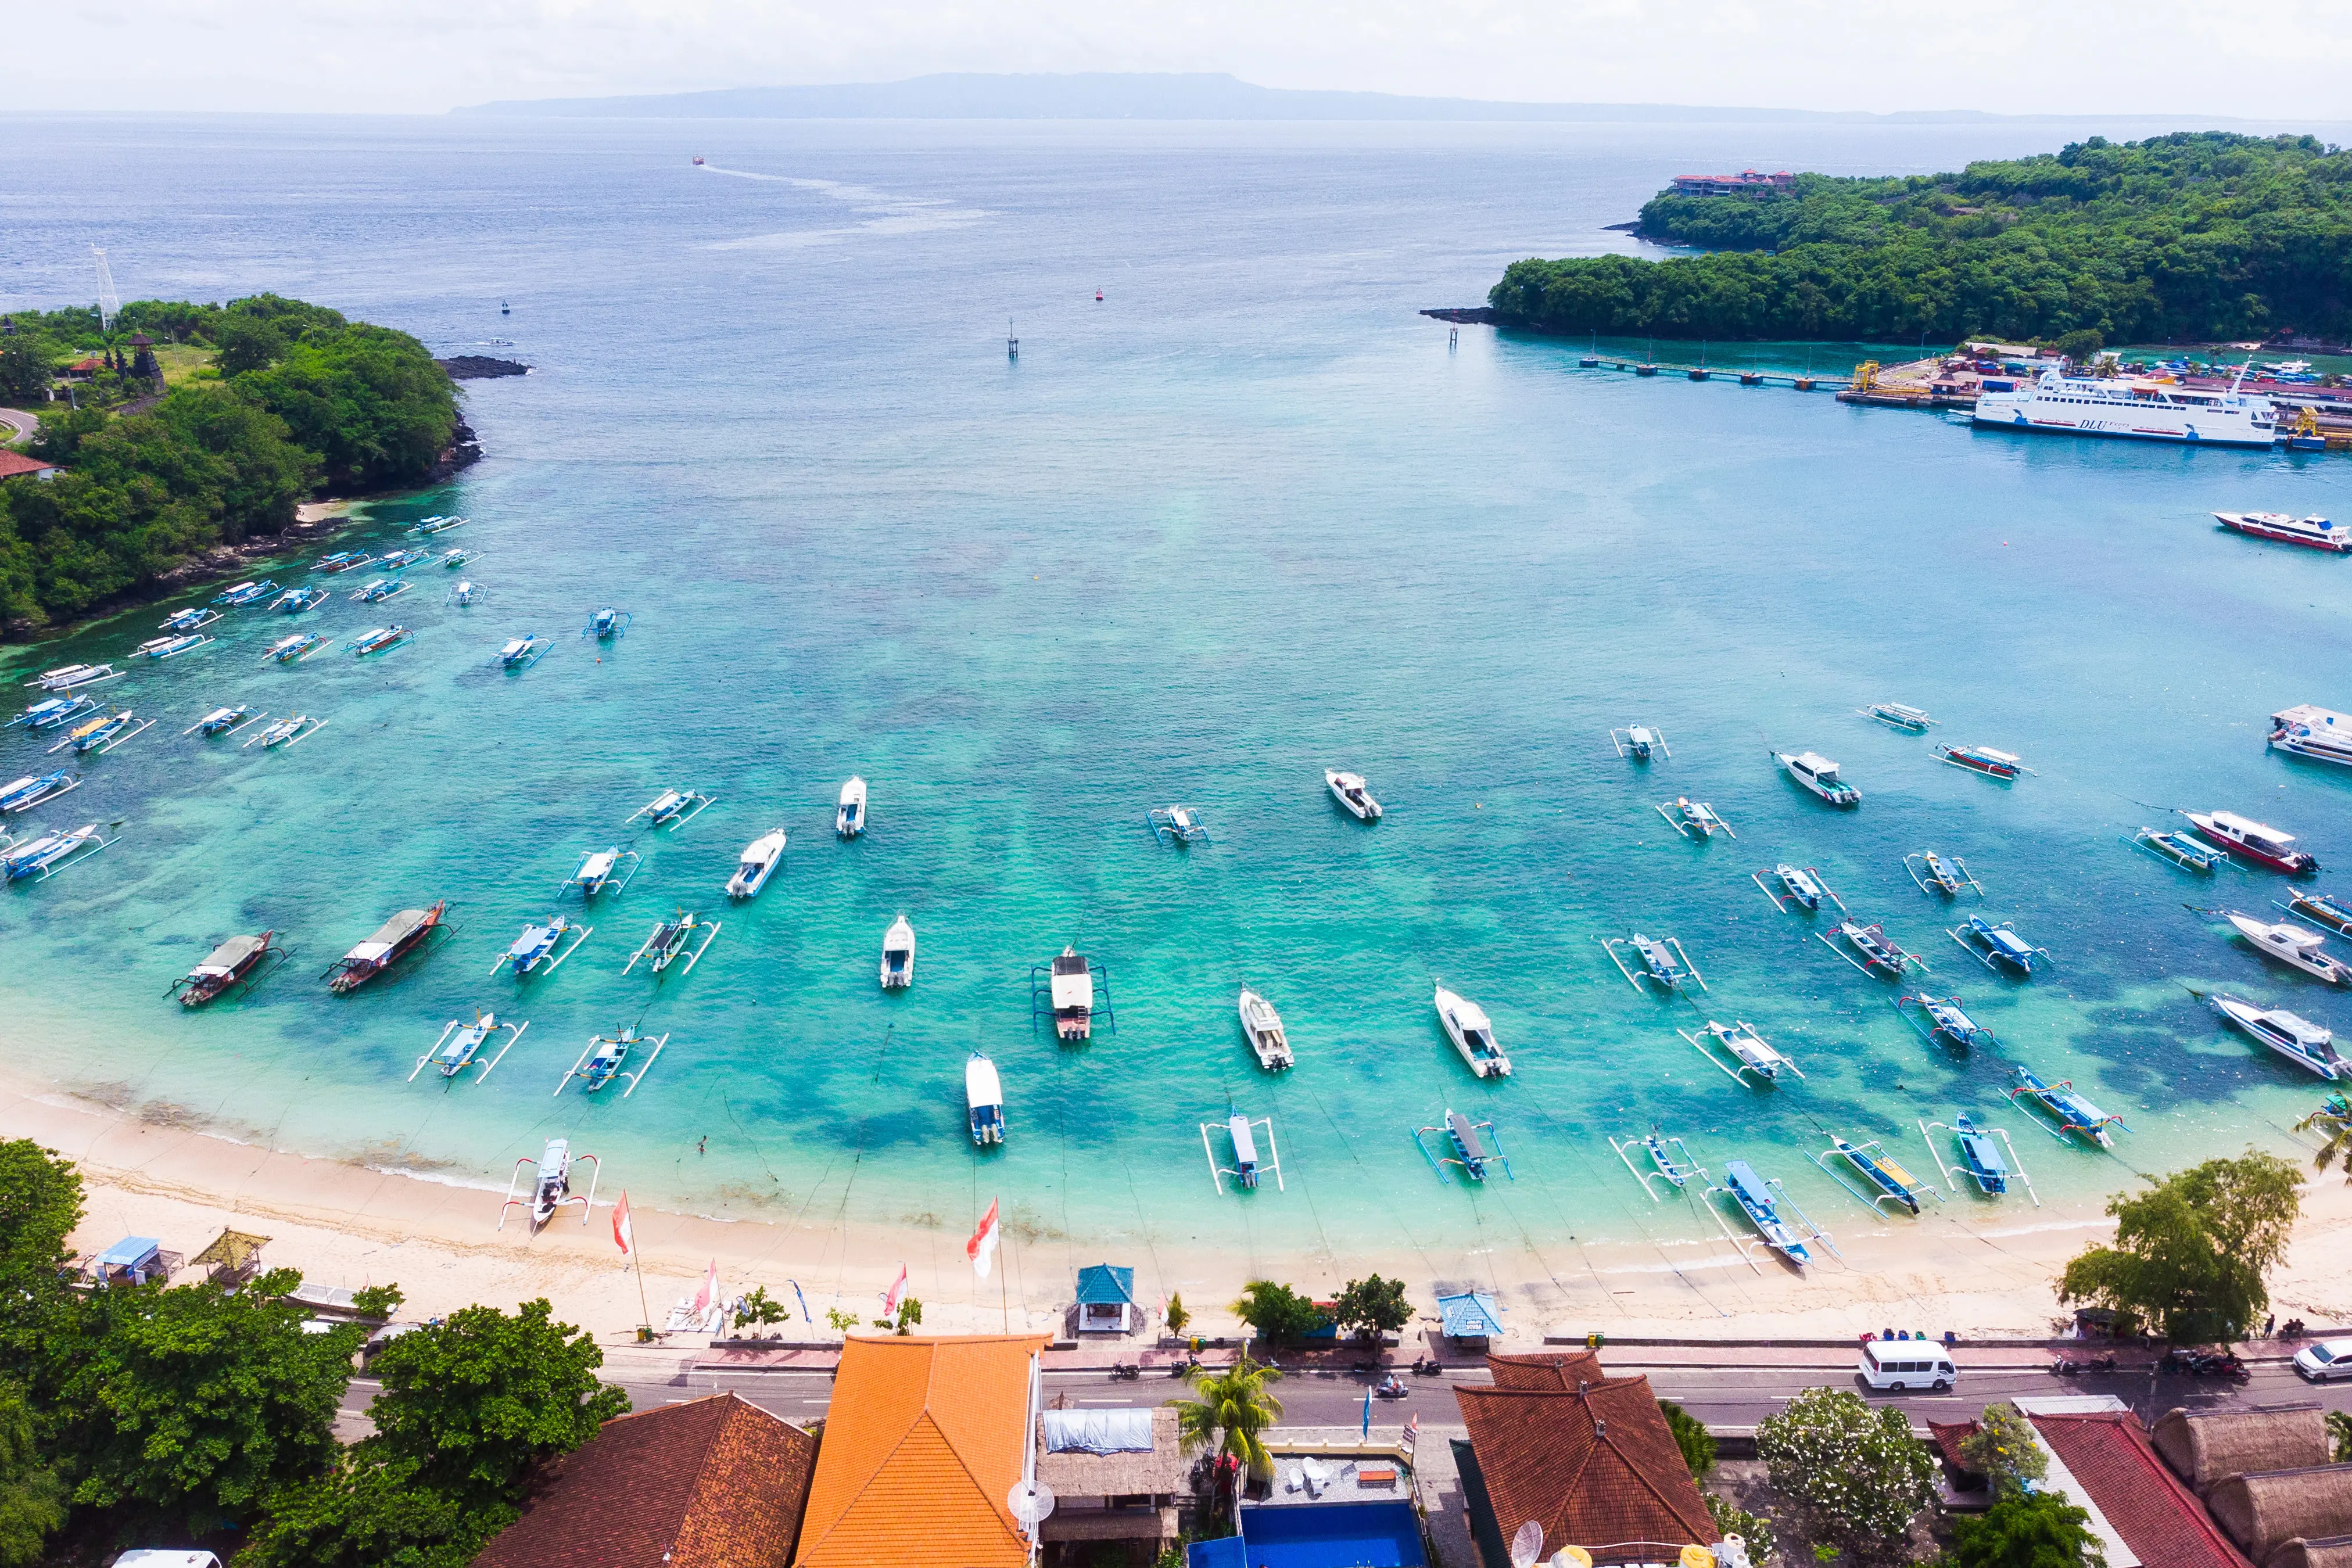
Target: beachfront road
{"x": 1722, "y": 1397}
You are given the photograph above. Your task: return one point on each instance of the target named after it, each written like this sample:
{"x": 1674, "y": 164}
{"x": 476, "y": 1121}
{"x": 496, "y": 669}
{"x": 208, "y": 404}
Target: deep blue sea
{"x": 1247, "y": 516}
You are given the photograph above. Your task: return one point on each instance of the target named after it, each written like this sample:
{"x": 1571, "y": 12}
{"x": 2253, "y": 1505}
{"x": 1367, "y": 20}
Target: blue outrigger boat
{"x": 51, "y": 712}
{"x": 1947, "y": 1022}
{"x": 1980, "y": 1157}
{"x": 1470, "y": 1150}
{"x": 52, "y": 853}
{"x": 1754, "y": 1195}
{"x": 605, "y": 622}
{"x": 544, "y": 944}
{"x": 380, "y": 590}
{"x": 344, "y": 560}
{"x": 2072, "y": 1112}
{"x": 401, "y": 558}
{"x": 1888, "y": 1181}
{"x": 224, "y": 721}
{"x": 196, "y": 618}
{"x": 295, "y": 600}
{"x": 33, "y": 789}
{"x": 1998, "y": 946}
{"x": 245, "y": 593}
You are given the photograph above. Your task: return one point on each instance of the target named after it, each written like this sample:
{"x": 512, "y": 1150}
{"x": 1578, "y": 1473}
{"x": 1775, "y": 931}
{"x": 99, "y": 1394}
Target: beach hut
{"x": 1116, "y": 1476}
{"x": 133, "y": 1260}
{"x": 1469, "y": 1319}
{"x": 2206, "y": 1448}
{"x": 2265, "y": 1509}
{"x": 1107, "y": 1300}
{"x": 233, "y": 1256}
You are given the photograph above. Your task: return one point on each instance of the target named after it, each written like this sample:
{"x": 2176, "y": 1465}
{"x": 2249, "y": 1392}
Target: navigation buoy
{"x": 1098, "y": 295}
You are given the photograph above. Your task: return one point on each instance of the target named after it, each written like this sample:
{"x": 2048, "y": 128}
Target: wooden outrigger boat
{"x": 1879, "y": 956}
{"x": 245, "y": 593}
{"x": 67, "y": 677}
{"x": 225, "y": 721}
{"x": 380, "y": 590}
{"x": 1740, "y": 1041}
{"x": 603, "y": 1059}
{"x": 293, "y": 649}
{"x": 1694, "y": 819}
{"x": 606, "y": 622}
{"x": 1177, "y": 824}
{"x": 2064, "y": 1105}
{"x": 196, "y": 618}
{"x": 1898, "y": 716}
{"x": 551, "y": 1187}
{"x": 1988, "y": 1164}
{"x": 437, "y": 524}
{"x": 295, "y": 600}
{"x": 1934, "y": 874}
{"x": 407, "y": 556}
{"x": 404, "y": 934}
{"x": 672, "y": 808}
{"x": 1947, "y": 1020}
{"x": 173, "y": 647}
{"x": 51, "y": 712}
{"x": 1670, "y": 1158}
{"x": 24, "y": 794}
{"x": 461, "y": 1042}
{"x": 1886, "y": 1179}
{"x": 1638, "y": 742}
{"x": 674, "y": 939}
{"x": 604, "y": 871}
{"x": 520, "y": 653}
{"x": 1262, "y": 1027}
{"x": 546, "y": 944}
{"x": 452, "y": 559}
{"x": 236, "y": 962}
{"x": 43, "y": 857}
{"x": 1998, "y": 947}
{"x": 104, "y": 733}
{"x": 1663, "y": 963}
{"x": 2181, "y": 850}
{"x": 1801, "y": 885}
{"x": 2321, "y": 910}
{"x": 1470, "y": 1150}
{"x": 291, "y": 730}
{"x": 1761, "y": 1200}
{"x": 344, "y": 560}
{"x": 382, "y": 639}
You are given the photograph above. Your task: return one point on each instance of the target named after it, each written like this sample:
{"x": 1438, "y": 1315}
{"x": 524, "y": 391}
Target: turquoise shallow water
{"x": 1246, "y": 519}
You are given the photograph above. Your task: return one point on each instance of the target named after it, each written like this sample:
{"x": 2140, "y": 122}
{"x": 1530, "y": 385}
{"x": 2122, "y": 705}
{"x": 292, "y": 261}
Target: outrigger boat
{"x": 196, "y": 618}
{"x": 403, "y": 557}
{"x": 849, "y": 816}
{"x": 1880, "y": 955}
{"x": 245, "y": 593}
{"x": 1948, "y": 1021}
{"x": 1740, "y": 1041}
{"x": 235, "y": 962}
{"x": 2314, "y": 532}
{"x": 672, "y": 808}
{"x": 344, "y": 560}
{"x": 899, "y": 955}
{"x": 295, "y": 600}
{"x": 33, "y": 789}
{"x": 460, "y": 1042}
{"x": 173, "y": 647}
{"x": 291, "y": 730}
{"x": 1887, "y": 1180}
{"x": 2292, "y": 946}
{"x": 382, "y": 639}
{"x": 1354, "y": 796}
{"x": 104, "y": 733}
{"x": 1663, "y": 963}
{"x": 543, "y": 945}
{"x": 2063, "y": 1106}
{"x": 1819, "y": 775}
{"x": 1470, "y": 1150}
{"x": 2002, "y": 765}
{"x": 437, "y": 525}
{"x": 673, "y": 939}
{"x": 454, "y": 558}
{"x": 51, "y": 853}
{"x": 381, "y": 589}
{"x": 51, "y": 712}
{"x": 2263, "y": 845}
{"x": 1694, "y": 819}
{"x": 1671, "y": 1159}
{"x": 551, "y": 1187}
{"x": 757, "y": 864}
{"x": 600, "y": 1062}
{"x": 1899, "y": 716}
{"x": 464, "y": 593}
{"x": 1754, "y": 1196}
{"x": 607, "y": 622}
{"x": 1247, "y": 1170}
{"x": 1996, "y": 946}
{"x": 2188, "y": 854}
{"x": 295, "y": 649}
{"x": 1262, "y": 1027}
{"x": 1066, "y": 988}
{"x": 224, "y": 721}
{"x": 983, "y": 1099}
{"x": 2307, "y": 1044}
{"x": 604, "y": 871}
{"x": 1473, "y": 1034}
{"x": 1984, "y": 1161}
{"x": 2321, "y": 910}
{"x": 2321, "y": 734}
{"x": 1800, "y": 884}
{"x": 522, "y": 652}
{"x": 397, "y": 937}
{"x": 67, "y": 677}
{"x": 1637, "y": 742}
{"x": 1177, "y": 824}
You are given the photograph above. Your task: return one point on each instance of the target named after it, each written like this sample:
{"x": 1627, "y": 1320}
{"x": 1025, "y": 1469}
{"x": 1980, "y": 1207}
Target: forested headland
{"x": 174, "y": 453}
{"x": 2198, "y": 237}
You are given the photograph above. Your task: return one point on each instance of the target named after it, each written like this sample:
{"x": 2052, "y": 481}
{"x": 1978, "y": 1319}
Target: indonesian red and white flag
{"x": 893, "y": 1295}
{"x": 709, "y": 1293}
{"x": 1412, "y": 1431}
{"x": 981, "y": 1247}
{"x": 623, "y": 1237}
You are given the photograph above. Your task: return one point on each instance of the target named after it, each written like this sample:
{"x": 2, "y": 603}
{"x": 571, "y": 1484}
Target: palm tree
{"x": 2333, "y": 1122}
{"x": 1228, "y": 1411}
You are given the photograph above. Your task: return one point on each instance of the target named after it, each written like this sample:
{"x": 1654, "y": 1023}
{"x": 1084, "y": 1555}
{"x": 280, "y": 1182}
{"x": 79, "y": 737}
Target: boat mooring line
{"x": 1348, "y": 1144}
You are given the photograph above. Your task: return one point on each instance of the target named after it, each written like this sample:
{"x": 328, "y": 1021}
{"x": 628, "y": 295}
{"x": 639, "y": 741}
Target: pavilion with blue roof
{"x": 1470, "y": 1318}
{"x": 1107, "y": 1300}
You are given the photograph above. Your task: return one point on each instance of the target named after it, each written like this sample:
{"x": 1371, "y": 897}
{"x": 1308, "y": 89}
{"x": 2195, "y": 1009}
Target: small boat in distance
{"x": 521, "y": 653}
{"x": 344, "y": 560}
{"x": 1819, "y": 775}
{"x": 2292, "y": 946}
{"x": 65, "y": 677}
{"x": 2001, "y": 764}
{"x": 1694, "y": 819}
{"x": 1263, "y": 1026}
{"x": 673, "y": 939}
{"x": 51, "y": 712}
{"x": 1934, "y": 874}
{"x": 757, "y": 864}
{"x": 457, "y": 557}
{"x": 1800, "y": 884}
{"x": 605, "y": 622}
{"x": 403, "y": 557}
{"x": 1177, "y": 824}
{"x": 2263, "y": 845}
{"x": 230, "y": 963}
{"x": 295, "y": 649}
{"x": 196, "y": 618}
{"x": 849, "y": 817}
{"x": 2321, "y": 910}
{"x": 1898, "y": 716}
{"x": 224, "y": 721}
{"x": 1637, "y": 742}
{"x": 601, "y": 870}
{"x": 288, "y": 731}
{"x": 2314, "y": 532}
{"x": 381, "y": 589}
{"x": 295, "y": 600}
{"x": 382, "y": 639}
{"x": 1473, "y": 1034}
{"x": 465, "y": 591}
{"x": 1354, "y": 796}
{"x": 437, "y": 525}
{"x": 2188, "y": 854}
{"x": 2307, "y": 1044}
{"x": 103, "y": 734}
{"x": 898, "y": 955}
{"x": 983, "y": 1099}
{"x": 397, "y": 937}
{"x": 173, "y": 647}
{"x": 672, "y": 808}
{"x": 2321, "y": 734}
{"x": 244, "y": 593}
{"x": 29, "y": 792}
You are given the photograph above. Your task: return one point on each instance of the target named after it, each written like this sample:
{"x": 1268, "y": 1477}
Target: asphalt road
{"x": 20, "y": 424}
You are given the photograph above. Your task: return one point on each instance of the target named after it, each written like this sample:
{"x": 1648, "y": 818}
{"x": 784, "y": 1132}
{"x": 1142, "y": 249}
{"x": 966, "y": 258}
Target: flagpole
{"x": 645, "y": 1312}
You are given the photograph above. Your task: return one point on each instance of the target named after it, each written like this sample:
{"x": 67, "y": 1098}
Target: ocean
{"x": 1245, "y": 516}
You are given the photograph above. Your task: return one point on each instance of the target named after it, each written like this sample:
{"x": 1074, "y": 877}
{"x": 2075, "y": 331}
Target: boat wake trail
{"x": 879, "y": 212}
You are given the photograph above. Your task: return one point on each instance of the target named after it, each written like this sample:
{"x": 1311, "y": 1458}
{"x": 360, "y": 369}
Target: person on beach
{"x": 703, "y": 1145}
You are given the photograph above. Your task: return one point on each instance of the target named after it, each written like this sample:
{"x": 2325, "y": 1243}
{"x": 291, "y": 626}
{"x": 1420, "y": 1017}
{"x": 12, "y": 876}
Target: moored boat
{"x": 393, "y": 940}
{"x": 849, "y": 816}
{"x": 898, "y": 955}
{"x": 245, "y": 593}
{"x": 2322, "y": 909}
{"x": 196, "y": 618}
{"x": 1898, "y": 716}
{"x": 2321, "y": 734}
{"x": 1980, "y": 1156}
{"x": 757, "y": 864}
{"x": 1878, "y": 954}
{"x": 2307, "y": 1044}
{"x": 539, "y": 945}
{"x": 1071, "y": 989}
{"x": 1996, "y": 946}
{"x": 2313, "y": 532}
{"x": 230, "y": 963}
{"x": 2188, "y": 854}
{"x": 2002, "y": 765}
{"x": 1473, "y": 1034}
{"x": 295, "y": 649}
{"x": 378, "y": 640}
{"x": 2292, "y": 946}
{"x": 49, "y": 853}
{"x": 51, "y": 712}
{"x": 983, "y": 1098}
{"x": 1739, "y": 1041}
{"x": 2244, "y": 837}
{"x": 173, "y": 647}
{"x": 1755, "y": 1197}
{"x": 1819, "y": 775}
{"x": 2059, "y": 404}
{"x": 344, "y": 560}
{"x": 70, "y": 677}
{"x": 1354, "y": 796}
{"x": 1262, "y": 1028}
{"x": 1948, "y": 1021}
{"x": 2066, "y": 1105}
{"x": 29, "y": 792}
{"x": 295, "y": 600}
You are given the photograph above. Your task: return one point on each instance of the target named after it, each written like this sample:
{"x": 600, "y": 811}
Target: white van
{"x": 1896, "y": 1365}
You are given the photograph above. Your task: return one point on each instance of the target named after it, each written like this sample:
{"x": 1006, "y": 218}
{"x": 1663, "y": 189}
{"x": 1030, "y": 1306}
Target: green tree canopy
{"x": 1691, "y": 1437}
{"x": 1230, "y": 1411}
{"x": 2004, "y": 1449}
{"x": 40, "y": 1204}
{"x": 1371, "y": 1308}
{"x": 1855, "y": 1472}
{"x": 2190, "y": 1256}
{"x": 247, "y": 343}
{"x": 368, "y": 1512}
{"x": 25, "y": 371}
{"x": 2039, "y": 1529}
{"x": 32, "y": 1493}
{"x": 1277, "y": 1313}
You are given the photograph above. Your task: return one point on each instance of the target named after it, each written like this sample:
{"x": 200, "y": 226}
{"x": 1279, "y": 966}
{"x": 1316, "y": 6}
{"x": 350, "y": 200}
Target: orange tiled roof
{"x": 1596, "y": 1467}
{"x": 14, "y": 462}
{"x": 924, "y": 1439}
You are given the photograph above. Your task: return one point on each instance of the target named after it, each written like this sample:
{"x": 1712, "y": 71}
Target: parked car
{"x": 2324, "y": 1361}
{"x": 1896, "y": 1365}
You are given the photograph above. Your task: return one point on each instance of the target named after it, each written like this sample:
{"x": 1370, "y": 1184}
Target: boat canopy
{"x": 1472, "y": 1018}
{"x": 1814, "y": 763}
{"x": 981, "y": 1087}
{"x": 225, "y": 959}
{"x": 396, "y": 930}
{"x": 2318, "y": 719}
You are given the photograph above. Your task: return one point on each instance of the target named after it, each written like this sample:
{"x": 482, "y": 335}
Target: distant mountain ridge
{"x": 1107, "y": 95}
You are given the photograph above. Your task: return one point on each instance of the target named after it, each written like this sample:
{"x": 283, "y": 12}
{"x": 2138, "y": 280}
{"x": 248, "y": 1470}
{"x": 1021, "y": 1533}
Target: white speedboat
{"x": 1349, "y": 789}
{"x": 849, "y": 819}
{"x": 2300, "y": 1040}
{"x": 1262, "y": 1025}
{"x": 759, "y": 859}
{"x": 1473, "y": 1034}
{"x": 2294, "y": 945}
{"x": 983, "y": 1099}
{"x": 2321, "y": 734}
{"x": 2314, "y": 531}
{"x": 898, "y": 955}
{"x": 1819, "y": 775}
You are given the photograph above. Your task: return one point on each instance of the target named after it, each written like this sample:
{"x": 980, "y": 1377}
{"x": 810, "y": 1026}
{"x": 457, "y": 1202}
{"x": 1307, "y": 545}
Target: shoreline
{"x": 347, "y": 1224}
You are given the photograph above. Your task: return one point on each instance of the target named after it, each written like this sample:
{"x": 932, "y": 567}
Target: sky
{"x": 2149, "y": 56}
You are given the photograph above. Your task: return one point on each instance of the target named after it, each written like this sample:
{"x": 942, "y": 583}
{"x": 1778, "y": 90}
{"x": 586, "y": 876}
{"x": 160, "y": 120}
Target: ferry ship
{"x": 2314, "y": 532}
{"x": 2133, "y": 410}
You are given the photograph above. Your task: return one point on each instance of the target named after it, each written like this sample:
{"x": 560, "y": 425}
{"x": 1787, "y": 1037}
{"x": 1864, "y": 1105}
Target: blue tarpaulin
{"x": 130, "y": 1252}
{"x": 1099, "y": 1431}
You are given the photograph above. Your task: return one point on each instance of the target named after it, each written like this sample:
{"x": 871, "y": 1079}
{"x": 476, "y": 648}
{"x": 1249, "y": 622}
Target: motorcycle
{"x": 1122, "y": 1372}
{"x": 1390, "y": 1387}
{"x": 1191, "y": 1363}
{"x": 1428, "y": 1367}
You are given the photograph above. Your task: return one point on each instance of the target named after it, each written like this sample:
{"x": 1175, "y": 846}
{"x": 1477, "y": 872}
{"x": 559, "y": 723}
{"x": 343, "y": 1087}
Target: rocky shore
{"x": 479, "y": 368}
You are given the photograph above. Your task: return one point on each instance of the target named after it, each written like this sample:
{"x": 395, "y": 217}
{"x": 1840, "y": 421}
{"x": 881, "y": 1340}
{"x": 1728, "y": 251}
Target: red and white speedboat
{"x": 2252, "y": 841}
{"x": 2314, "y": 531}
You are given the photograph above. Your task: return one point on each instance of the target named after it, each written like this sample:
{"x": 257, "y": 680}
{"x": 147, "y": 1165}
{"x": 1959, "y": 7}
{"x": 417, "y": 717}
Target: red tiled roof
{"x": 2159, "y": 1519}
{"x": 1947, "y": 1436}
{"x": 710, "y": 1483}
{"x": 14, "y": 462}
{"x": 1596, "y": 1468}
{"x": 1558, "y": 1371}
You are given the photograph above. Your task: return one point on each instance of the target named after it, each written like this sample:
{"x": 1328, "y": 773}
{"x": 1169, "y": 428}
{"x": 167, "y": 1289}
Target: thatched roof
{"x": 1166, "y": 1469}
{"x": 231, "y": 1250}
{"x": 2205, "y": 1448}
{"x": 2333, "y": 1553}
{"x": 2267, "y": 1508}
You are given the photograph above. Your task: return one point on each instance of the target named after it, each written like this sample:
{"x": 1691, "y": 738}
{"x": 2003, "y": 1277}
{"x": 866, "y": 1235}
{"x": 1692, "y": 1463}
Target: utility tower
{"x": 109, "y": 305}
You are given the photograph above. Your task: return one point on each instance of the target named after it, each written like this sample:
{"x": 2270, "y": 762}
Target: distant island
{"x": 172, "y": 432}
{"x": 1143, "y": 95}
{"x": 2198, "y": 236}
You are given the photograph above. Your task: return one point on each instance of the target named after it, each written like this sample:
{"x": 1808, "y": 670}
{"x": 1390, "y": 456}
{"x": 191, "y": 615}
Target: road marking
{"x": 816, "y": 1401}
{"x": 1106, "y": 1401}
